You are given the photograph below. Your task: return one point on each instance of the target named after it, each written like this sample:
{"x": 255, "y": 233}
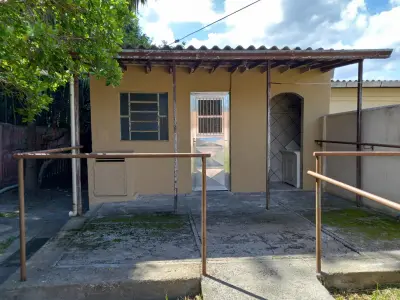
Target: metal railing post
{"x": 21, "y": 192}
{"x": 318, "y": 214}
{"x": 52, "y": 154}
{"x": 203, "y": 217}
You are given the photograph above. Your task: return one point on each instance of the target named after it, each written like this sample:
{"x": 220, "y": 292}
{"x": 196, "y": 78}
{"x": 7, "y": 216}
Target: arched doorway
{"x": 286, "y": 141}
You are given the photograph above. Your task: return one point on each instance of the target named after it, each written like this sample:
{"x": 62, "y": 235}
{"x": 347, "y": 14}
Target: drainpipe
{"x": 74, "y": 211}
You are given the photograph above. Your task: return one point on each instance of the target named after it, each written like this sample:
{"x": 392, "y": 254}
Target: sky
{"x": 337, "y": 24}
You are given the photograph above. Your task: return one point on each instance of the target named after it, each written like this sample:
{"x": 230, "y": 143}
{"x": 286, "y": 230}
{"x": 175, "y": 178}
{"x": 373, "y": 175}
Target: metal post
{"x": 203, "y": 217}
{"x": 175, "y": 139}
{"x": 74, "y": 211}
{"x": 268, "y": 129}
{"x": 22, "y": 243}
{"x": 359, "y": 128}
{"x": 77, "y": 138}
{"x": 318, "y": 214}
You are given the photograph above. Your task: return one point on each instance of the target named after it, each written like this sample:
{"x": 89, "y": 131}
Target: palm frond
{"x": 134, "y": 4}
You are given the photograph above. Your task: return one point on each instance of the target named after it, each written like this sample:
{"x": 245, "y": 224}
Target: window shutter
{"x": 124, "y": 115}
{"x": 163, "y": 114}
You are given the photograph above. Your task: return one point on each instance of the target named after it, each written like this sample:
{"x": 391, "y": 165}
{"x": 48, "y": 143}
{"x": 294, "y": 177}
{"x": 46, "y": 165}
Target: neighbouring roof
{"x": 249, "y": 58}
{"x": 366, "y": 83}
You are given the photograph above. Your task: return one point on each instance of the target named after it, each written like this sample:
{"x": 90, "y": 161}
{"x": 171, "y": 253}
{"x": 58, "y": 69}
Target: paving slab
{"x": 108, "y": 254}
{"x": 45, "y": 214}
{"x": 141, "y": 249}
{"x": 262, "y": 278}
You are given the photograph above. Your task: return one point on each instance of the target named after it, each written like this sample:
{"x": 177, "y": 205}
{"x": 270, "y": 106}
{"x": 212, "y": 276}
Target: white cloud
{"x": 395, "y": 2}
{"x": 340, "y": 24}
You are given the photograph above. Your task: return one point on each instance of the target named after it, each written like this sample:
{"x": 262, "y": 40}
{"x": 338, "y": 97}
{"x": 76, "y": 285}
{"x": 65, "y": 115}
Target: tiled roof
{"x": 248, "y": 58}
{"x": 366, "y": 83}
{"x": 227, "y": 48}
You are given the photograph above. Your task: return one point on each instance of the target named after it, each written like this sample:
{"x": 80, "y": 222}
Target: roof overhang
{"x": 245, "y": 59}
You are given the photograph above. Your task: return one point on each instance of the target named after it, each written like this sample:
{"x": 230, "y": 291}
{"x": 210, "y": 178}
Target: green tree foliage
{"x": 45, "y": 42}
{"x": 133, "y": 35}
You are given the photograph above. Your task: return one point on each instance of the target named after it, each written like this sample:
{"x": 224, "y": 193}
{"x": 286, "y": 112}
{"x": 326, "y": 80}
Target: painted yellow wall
{"x": 248, "y": 125}
{"x": 345, "y": 99}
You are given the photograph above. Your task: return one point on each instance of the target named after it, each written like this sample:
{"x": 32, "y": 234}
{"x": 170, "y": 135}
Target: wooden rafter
{"x": 272, "y": 65}
{"x": 316, "y": 65}
{"x": 234, "y": 67}
{"x": 214, "y": 67}
{"x": 284, "y": 69}
{"x": 330, "y": 67}
{"x": 123, "y": 66}
{"x": 244, "y": 67}
{"x": 256, "y": 64}
{"x": 147, "y": 67}
{"x": 194, "y": 67}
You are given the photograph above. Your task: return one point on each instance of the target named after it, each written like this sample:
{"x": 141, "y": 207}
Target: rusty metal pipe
{"x": 22, "y": 242}
{"x": 175, "y": 138}
{"x": 203, "y": 217}
{"x": 355, "y": 143}
{"x": 108, "y": 155}
{"x": 44, "y": 155}
{"x": 355, "y": 153}
{"x": 318, "y": 225}
{"x": 362, "y": 193}
{"x": 268, "y": 142}
{"x": 55, "y": 150}
{"x": 359, "y": 131}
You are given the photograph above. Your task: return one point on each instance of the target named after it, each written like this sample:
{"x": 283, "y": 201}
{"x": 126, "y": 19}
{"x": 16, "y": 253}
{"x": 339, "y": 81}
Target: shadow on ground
{"x": 252, "y": 252}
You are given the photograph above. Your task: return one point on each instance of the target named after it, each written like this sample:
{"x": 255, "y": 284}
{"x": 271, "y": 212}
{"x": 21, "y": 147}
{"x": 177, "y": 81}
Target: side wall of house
{"x": 248, "y": 127}
{"x": 380, "y": 175}
{"x": 345, "y": 99}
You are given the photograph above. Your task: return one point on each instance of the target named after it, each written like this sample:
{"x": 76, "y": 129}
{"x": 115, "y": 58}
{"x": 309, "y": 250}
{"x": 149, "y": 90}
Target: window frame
{"x": 158, "y": 120}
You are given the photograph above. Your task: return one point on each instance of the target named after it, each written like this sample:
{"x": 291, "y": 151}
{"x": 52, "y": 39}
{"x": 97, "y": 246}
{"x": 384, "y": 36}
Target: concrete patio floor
{"x": 139, "y": 250}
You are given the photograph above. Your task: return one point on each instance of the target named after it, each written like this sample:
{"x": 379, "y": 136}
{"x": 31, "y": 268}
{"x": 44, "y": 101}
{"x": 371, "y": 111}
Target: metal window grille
{"x": 210, "y": 116}
{"x": 144, "y": 116}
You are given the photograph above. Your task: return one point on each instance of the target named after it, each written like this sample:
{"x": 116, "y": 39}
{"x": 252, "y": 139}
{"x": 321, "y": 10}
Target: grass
{"x": 370, "y": 224}
{"x": 9, "y": 214}
{"x": 5, "y": 244}
{"x": 378, "y": 294}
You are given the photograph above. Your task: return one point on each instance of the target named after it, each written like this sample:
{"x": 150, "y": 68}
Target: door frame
{"x": 226, "y": 105}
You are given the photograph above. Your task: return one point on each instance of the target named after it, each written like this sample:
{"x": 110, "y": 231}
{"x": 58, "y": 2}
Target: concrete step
{"x": 369, "y": 270}
{"x": 148, "y": 281}
{"x": 262, "y": 278}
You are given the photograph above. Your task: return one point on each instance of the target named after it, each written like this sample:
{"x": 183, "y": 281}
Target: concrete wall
{"x": 345, "y": 98}
{"x": 380, "y": 175}
{"x": 248, "y": 127}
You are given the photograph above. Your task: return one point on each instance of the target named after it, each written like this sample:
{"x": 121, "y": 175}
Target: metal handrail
{"x": 51, "y": 153}
{"x": 318, "y": 191}
{"x": 355, "y": 143}
{"x": 54, "y": 150}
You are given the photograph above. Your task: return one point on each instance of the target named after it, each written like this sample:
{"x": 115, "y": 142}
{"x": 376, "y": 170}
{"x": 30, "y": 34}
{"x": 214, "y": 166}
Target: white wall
{"x": 380, "y": 175}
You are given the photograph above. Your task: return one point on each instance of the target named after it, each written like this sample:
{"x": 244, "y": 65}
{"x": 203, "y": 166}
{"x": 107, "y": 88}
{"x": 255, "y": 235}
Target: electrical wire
{"x": 208, "y": 25}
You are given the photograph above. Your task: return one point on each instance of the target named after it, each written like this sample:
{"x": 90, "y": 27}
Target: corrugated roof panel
{"x": 366, "y": 83}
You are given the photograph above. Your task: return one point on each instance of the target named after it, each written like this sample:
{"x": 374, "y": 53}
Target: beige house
{"x": 255, "y": 110}
{"x": 375, "y": 94}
